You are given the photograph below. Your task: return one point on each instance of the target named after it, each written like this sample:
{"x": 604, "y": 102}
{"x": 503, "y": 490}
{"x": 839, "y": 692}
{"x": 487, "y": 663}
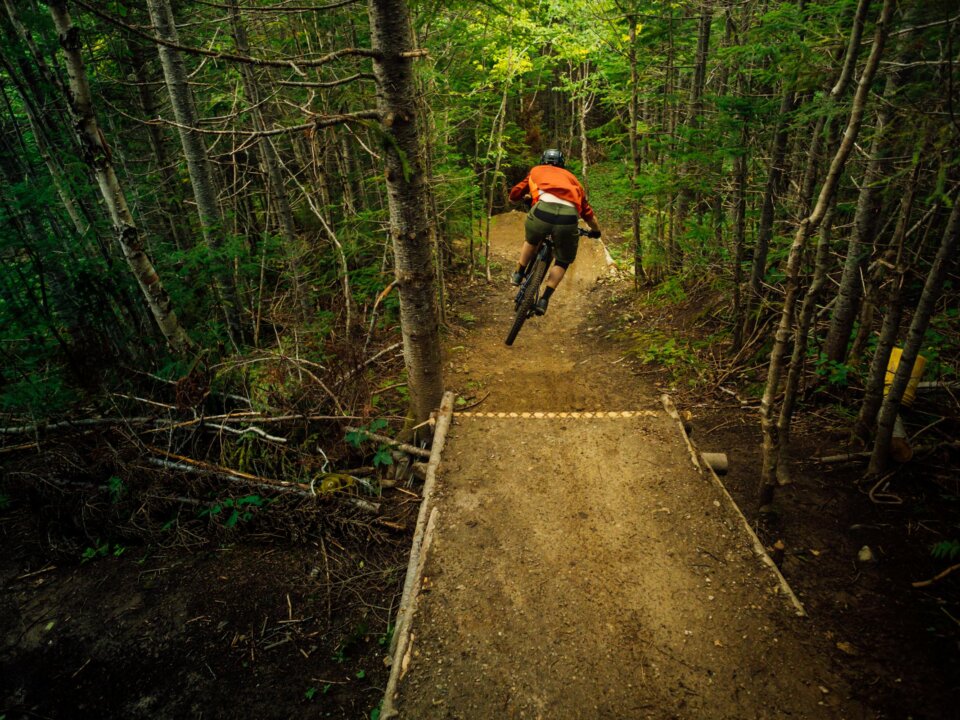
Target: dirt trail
{"x": 581, "y": 567}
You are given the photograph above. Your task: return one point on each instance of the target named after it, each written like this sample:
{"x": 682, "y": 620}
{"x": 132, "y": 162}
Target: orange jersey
{"x": 556, "y": 181}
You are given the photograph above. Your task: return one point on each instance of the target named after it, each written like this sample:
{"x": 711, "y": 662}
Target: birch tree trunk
{"x": 911, "y": 348}
{"x": 97, "y": 156}
{"x": 406, "y": 193}
{"x": 809, "y": 225}
{"x": 173, "y": 198}
{"x": 198, "y": 166}
{"x": 185, "y": 112}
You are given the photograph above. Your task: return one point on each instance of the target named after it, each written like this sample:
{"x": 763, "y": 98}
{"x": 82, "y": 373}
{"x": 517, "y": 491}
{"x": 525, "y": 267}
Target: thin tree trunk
{"x": 771, "y": 435}
{"x": 198, "y": 165}
{"x": 391, "y": 32}
{"x": 635, "y": 167}
{"x": 498, "y": 143}
{"x": 873, "y": 394}
{"x": 865, "y": 220}
{"x": 911, "y": 347}
{"x": 97, "y": 155}
{"x": 804, "y": 321}
{"x": 173, "y": 201}
{"x": 270, "y": 161}
{"x": 47, "y": 153}
{"x": 771, "y": 193}
{"x": 586, "y": 104}
{"x": 692, "y": 168}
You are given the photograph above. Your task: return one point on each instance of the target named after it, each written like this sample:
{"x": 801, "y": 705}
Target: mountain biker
{"x": 558, "y": 201}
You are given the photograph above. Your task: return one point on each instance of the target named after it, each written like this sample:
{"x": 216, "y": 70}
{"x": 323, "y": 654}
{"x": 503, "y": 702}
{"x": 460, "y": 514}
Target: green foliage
{"x": 116, "y": 488}
{"x": 102, "y": 550}
{"x": 362, "y": 433}
{"x": 946, "y": 550}
{"x": 236, "y": 509}
{"x": 670, "y": 290}
{"x": 834, "y": 373}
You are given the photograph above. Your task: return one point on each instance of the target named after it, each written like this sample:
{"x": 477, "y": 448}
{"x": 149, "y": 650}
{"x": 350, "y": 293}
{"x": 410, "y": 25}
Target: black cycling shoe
{"x": 541, "y": 307}
{"x": 516, "y": 278}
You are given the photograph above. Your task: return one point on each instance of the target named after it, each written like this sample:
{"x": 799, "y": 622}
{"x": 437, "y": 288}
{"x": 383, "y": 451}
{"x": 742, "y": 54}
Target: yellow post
{"x": 911, "y": 392}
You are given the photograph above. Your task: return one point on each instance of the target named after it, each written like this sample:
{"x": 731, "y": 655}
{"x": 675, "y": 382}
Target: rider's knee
{"x": 562, "y": 264}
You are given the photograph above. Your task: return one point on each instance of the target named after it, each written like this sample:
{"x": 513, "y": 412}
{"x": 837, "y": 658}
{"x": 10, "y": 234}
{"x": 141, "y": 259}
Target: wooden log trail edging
{"x": 758, "y": 547}
{"x": 426, "y": 521}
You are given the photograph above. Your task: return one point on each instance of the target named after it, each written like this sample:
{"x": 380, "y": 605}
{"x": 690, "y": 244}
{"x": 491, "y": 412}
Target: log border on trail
{"x": 426, "y": 521}
{"x": 758, "y": 547}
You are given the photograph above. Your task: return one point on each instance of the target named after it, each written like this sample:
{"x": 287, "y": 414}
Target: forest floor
{"x": 270, "y": 622}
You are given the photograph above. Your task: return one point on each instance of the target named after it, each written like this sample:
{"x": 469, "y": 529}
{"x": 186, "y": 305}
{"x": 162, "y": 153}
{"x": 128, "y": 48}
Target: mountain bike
{"x": 529, "y": 291}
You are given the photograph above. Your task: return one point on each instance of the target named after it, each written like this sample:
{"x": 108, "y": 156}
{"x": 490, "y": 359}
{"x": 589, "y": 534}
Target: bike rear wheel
{"x": 525, "y": 307}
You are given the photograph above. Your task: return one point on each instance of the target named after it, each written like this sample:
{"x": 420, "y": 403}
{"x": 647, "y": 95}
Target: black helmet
{"x": 552, "y": 157}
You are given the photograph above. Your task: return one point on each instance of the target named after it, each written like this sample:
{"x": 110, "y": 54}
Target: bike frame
{"x": 545, "y": 254}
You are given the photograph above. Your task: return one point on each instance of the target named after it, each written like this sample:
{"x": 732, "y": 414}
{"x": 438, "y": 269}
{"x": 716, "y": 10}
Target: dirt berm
{"x": 581, "y": 566}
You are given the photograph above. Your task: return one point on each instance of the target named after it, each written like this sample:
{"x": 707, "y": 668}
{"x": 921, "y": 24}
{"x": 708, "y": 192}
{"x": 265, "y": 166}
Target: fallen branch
{"x": 935, "y": 578}
{"x": 185, "y": 464}
{"x": 252, "y": 429}
{"x": 22, "y": 446}
{"x": 844, "y": 457}
{"x": 406, "y": 447}
{"x": 86, "y": 422}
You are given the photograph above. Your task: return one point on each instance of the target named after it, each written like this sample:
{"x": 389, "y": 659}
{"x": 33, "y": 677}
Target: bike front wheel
{"x": 530, "y": 293}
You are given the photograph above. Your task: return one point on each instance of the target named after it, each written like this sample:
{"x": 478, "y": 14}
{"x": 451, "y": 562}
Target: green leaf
{"x": 383, "y": 457}
{"x": 356, "y": 437}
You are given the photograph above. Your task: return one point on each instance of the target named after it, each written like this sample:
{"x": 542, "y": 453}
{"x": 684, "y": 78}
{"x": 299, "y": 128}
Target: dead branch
{"x": 186, "y": 464}
{"x": 84, "y": 422}
{"x": 369, "y": 361}
{"x": 935, "y": 578}
{"x": 407, "y": 448}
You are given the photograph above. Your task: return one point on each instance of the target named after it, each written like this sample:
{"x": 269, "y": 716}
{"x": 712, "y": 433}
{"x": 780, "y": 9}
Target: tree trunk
{"x": 865, "y": 221}
{"x": 911, "y": 348}
{"x": 97, "y": 155}
{"x": 771, "y": 192}
{"x": 804, "y": 321}
{"x": 47, "y": 153}
{"x": 873, "y": 394}
{"x": 692, "y": 168}
{"x": 270, "y": 162}
{"x": 148, "y": 105}
{"x": 635, "y": 167}
{"x": 496, "y": 141}
{"x": 198, "y": 166}
{"x": 771, "y": 435}
{"x": 409, "y": 228}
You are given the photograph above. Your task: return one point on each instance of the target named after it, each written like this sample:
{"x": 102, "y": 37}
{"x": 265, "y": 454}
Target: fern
{"x": 946, "y": 550}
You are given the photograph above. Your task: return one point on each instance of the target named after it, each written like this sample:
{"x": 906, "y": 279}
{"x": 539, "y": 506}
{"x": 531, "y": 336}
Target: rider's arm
{"x": 520, "y": 189}
{"x": 586, "y": 212}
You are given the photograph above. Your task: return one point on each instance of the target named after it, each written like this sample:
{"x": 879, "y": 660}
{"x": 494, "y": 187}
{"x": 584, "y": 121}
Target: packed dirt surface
{"x": 582, "y": 566}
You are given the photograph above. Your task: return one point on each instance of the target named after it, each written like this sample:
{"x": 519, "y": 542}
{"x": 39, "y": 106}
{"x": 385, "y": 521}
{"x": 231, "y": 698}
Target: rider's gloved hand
{"x": 593, "y": 234}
